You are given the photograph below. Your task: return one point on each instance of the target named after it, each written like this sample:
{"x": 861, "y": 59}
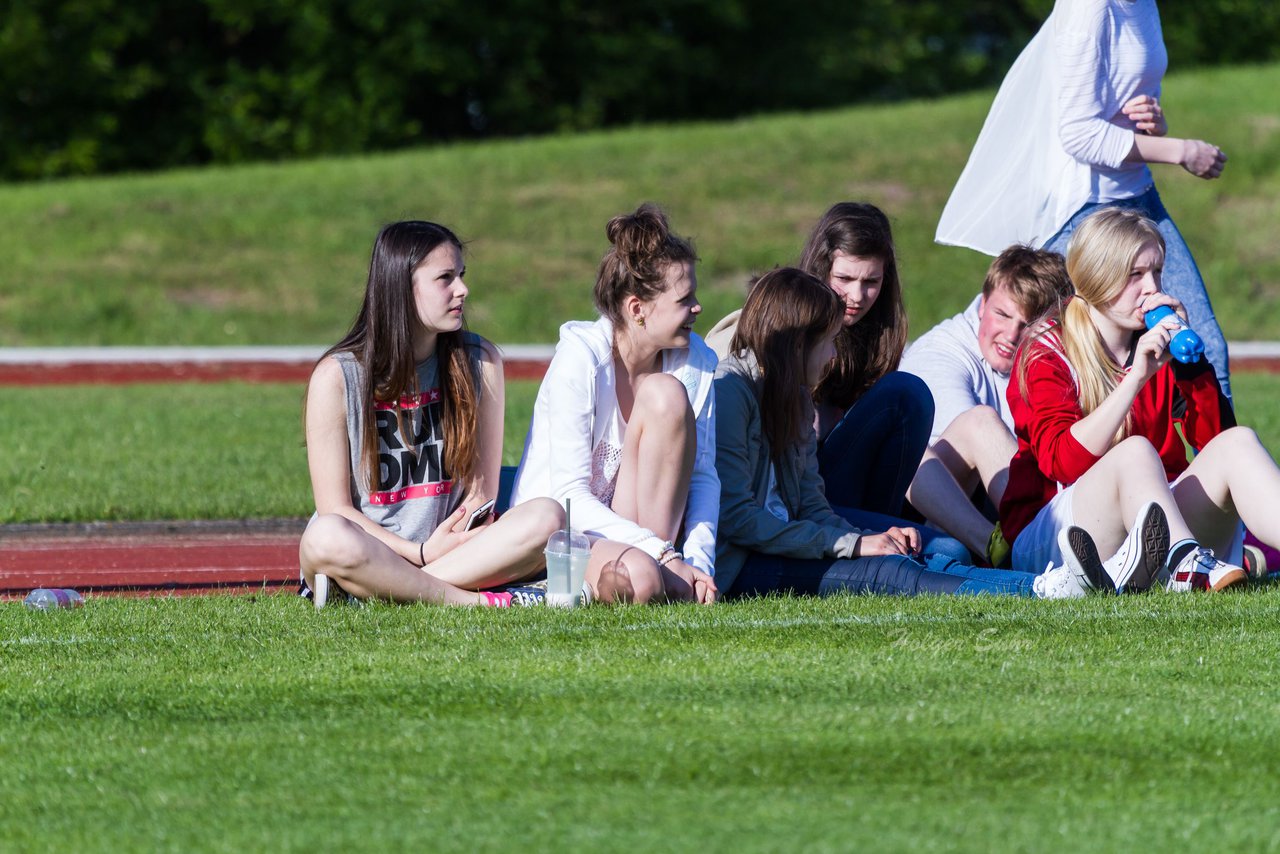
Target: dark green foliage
{"x": 91, "y": 86}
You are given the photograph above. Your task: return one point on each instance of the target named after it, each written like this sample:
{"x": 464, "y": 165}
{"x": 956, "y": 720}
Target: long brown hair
{"x": 642, "y": 246}
{"x": 1099, "y": 257}
{"x": 381, "y": 340}
{"x": 788, "y": 312}
{"x": 873, "y": 346}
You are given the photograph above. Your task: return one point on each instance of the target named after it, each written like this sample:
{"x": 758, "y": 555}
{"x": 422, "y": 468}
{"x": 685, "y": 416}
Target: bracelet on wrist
{"x": 422, "y": 554}
{"x": 668, "y": 556}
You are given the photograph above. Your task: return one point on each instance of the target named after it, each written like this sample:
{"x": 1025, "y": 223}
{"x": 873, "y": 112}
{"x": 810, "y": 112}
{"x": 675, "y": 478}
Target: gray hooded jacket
{"x": 742, "y": 461}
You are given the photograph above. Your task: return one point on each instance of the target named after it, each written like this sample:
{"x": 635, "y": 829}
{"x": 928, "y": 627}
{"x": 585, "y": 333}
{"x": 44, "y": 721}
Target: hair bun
{"x": 639, "y": 235}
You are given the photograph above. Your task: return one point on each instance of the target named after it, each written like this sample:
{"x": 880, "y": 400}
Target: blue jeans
{"x": 887, "y": 575}
{"x": 1181, "y": 275}
{"x": 868, "y": 460}
{"x": 933, "y": 543}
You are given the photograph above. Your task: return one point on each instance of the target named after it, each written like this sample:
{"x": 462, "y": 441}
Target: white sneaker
{"x": 1059, "y": 582}
{"x": 1142, "y": 556}
{"x": 320, "y": 590}
{"x": 1200, "y": 570}
{"x": 1081, "y": 555}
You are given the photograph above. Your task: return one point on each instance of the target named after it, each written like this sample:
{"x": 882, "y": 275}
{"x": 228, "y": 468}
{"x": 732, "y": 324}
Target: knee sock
{"x": 1178, "y": 551}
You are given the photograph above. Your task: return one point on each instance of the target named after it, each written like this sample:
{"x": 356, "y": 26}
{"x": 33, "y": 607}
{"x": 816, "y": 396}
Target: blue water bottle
{"x": 1185, "y": 345}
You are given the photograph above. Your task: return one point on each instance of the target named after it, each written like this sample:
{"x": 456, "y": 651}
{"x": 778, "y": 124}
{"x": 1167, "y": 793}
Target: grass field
{"x": 277, "y": 253}
{"x": 78, "y": 454}
{"x": 253, "y": 723}
{"x": 935, "y": 724}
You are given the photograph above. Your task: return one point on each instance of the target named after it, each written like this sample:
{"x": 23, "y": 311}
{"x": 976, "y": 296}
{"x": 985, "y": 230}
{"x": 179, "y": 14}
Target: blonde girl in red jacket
{"x": 1101, "y": 470}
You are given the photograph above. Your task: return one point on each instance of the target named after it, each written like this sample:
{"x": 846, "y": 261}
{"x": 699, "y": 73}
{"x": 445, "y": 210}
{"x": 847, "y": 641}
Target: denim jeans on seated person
{"x": 867, "y": 461}
{"x": 890, "y": 575}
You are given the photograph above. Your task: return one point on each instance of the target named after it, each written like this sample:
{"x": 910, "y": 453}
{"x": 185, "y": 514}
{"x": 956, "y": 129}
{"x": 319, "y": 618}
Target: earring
{"x": 640, "y": 321}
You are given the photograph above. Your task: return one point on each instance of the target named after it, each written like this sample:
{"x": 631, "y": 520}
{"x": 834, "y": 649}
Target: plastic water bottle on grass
{"x": 45, "y": 599}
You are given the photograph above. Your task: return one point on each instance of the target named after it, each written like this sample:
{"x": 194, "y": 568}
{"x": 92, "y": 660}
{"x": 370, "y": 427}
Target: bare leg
{"x": 1232, "y": 479}
{"x": 657, "y": 457}
{"x": 974, "y": 449}
{"x": 506, "y": 551}
{"x": 1108, "y": 496}
{"x": 619, "y": 573}
{"x": 365, "y": 567}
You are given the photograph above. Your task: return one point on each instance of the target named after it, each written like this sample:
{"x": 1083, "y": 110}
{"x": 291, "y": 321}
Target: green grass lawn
{"x": 277, "y": 253}
{"x": 233, "y": 450}
{"x": 231, "y": 724}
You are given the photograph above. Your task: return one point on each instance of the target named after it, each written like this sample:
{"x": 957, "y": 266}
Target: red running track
{"x": 151, "y": 559}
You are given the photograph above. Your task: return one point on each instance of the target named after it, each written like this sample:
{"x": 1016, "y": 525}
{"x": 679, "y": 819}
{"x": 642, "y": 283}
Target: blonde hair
{"x": 1099, "y": 257}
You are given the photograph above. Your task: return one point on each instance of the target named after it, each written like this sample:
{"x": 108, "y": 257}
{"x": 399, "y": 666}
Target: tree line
{"x": 92, "y": 86}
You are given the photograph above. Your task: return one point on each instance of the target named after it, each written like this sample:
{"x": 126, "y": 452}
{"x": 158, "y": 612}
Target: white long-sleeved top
{"x": 950, "y": 362}
{"x": 1055, "y": 138}
{"x": 577, "y": 428}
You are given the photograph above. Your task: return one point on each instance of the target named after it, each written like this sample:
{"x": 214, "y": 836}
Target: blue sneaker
{"x": 528, "y": 595}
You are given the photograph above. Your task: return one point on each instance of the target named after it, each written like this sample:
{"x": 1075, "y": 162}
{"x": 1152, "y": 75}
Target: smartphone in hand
{"x": 480, "y": 515}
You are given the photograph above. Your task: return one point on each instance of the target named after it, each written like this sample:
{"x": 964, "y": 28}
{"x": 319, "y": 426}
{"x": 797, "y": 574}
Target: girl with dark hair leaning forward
{"x": 873, "y": 421}
{"x": 623, "y": 422}
{"x": 404, "y": 441}
{"x": 777, "y": 531}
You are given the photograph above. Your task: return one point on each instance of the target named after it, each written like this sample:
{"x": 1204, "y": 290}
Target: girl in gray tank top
{"x": 404, "y": 443}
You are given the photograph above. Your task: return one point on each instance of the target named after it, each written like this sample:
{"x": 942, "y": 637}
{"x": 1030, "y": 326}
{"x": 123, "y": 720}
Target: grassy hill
{"x": 277, "y": 253}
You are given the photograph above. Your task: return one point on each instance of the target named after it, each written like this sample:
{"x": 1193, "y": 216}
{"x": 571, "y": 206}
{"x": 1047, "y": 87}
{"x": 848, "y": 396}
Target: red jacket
{"x": 1049, "y": 457}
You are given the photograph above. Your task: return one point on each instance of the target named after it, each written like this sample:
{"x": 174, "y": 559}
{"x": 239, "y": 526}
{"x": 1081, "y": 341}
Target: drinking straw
{"x": 567, "y": 525}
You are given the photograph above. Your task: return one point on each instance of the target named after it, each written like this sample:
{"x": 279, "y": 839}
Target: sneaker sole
{"x": 1083, "y": 558}
{"x": 1237, "y": 578}
{"x": 1255, "y": 563}
{"x": 1153, "y": 554}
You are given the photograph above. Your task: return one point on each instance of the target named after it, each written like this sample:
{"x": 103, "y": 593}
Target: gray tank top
{"x": 413, "y": 493}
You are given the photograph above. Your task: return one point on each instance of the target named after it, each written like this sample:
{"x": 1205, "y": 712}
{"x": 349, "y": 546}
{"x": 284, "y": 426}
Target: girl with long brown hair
{"x": 403, "y": 422}
{"x": 873, "y": 421}
{"x": 777, "y": 530}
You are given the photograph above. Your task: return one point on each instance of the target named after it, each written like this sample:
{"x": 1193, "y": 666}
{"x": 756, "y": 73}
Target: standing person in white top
{"x": 1073, "y": 128}
{"x": 623, "y": 422}
{"x": 965, "y": 361}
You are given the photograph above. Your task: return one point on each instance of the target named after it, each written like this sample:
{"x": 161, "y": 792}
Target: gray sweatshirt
{"x": 742, "y": 461}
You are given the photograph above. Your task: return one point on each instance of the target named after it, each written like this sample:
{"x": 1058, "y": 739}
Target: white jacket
{"x": 576, "y": 403}
{"x": 1055, "y": 138}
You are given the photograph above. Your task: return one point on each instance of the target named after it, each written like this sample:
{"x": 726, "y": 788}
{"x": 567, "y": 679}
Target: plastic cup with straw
{"x": 568, "y": 552}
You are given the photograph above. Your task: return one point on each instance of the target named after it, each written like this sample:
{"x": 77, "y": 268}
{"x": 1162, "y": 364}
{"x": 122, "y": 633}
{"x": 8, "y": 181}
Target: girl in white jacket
{"x": 623, "y": 423}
